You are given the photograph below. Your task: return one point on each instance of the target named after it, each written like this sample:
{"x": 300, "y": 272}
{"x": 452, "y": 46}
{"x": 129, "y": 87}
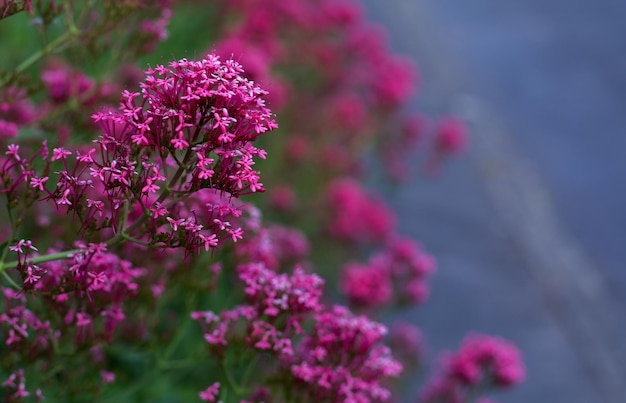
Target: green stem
{"x": 41, "y": 259}
{"x": 10, "y": 280}
{"x": 52, "y": 47}
{"x": 191, "y": 302}
{"x": 119, "y": 237}
{"x": 232, "y": 384}
{"x": 248, "y": 371}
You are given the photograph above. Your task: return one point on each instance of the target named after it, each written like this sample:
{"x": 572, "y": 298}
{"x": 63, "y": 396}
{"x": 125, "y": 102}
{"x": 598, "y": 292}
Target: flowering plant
{"x": 138, "y": 259}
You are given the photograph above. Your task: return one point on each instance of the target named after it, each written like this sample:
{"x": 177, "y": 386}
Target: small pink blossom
{"x": 211, "y": 393}
{"x": 480, "y": 359}
{"x": 451, "y": 136}
{"x": 107, "y": 377}
{"x": 60, "y": 153}
{"x": 38, "y": 183}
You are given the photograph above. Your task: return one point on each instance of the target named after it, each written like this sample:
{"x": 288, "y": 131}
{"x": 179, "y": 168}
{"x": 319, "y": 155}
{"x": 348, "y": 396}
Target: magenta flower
{"x": 482, "y": 361}
{"x": 276, "y": 307}
{"x": 366, "y": 286}
{"x": 189, "y": 130}
{"x": 274, "y": 246}
{"x": 398, "y": 273}
{"x": 356, "y": 215}
{"x": 210, "y": 394}
{"x": 451, "y": 136}
{"x": 343, "y": 359}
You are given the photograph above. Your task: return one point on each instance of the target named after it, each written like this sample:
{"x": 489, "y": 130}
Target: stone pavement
{"x": 528, "y": 227}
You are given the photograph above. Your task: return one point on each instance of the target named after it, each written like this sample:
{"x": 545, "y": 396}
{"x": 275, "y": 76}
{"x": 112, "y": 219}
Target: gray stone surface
{"x": 529, "y": 226}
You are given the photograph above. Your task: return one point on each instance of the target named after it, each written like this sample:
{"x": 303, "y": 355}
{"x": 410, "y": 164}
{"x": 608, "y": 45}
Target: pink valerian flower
{"x": 276, "y": 306}
{"x": 274, "y": 246}
{"x": 18, "y": 171}
{"x": 451, "y": 136}
{"x": 296, "y": 148}
{"x": 211, "y": 393}
{"x": 394, "y": 80}
{"x": 342, "y": 13}
{"x": 482, "y": 361}
{"x": 62, "y": 83}
{"x": 155, "y": 31}
{"x": 73, "y": 284}
{"x": 357, "y": 216}
{"x": 272, "y": 294}
{"x": 343, "y": 359}
{"x": 399, "y": 273}
{"x": 366, "y": 286}
{"x": 258, "y": 61}
{"x": 201, "y": 222}
{"x": 155, "y": 154}
{"x": 107, "y": 377}
{"x": 15, "y": 107}
{"x": 21, "y": 246}
{"x": 348, "y": 112}
{"x": 20, "y": 327}
{"x": 8, "y": 129}
{"x": 30, "y": 272}
{"x": 283, "y": 198}
{"x": 410, "y": 266}
{"x": 15, "y": 385}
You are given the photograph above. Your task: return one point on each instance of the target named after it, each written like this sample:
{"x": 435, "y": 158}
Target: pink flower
{"x": 60, "y": 153}
{"x": 8, "y": 129}
{"x": 451, "y": 136}
{"x": 38, "y": 183}
{"x": 107, "y": 377}
{"x": 367, "y": 286}
{"x": 210, "y": 394}
{"x": 357, "y": 216}
{"x": 343, "y": 359}
{"x": 480, "y": 359}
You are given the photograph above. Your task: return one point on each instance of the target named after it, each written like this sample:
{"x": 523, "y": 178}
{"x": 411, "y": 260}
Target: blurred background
{"x": 529, "y": 226}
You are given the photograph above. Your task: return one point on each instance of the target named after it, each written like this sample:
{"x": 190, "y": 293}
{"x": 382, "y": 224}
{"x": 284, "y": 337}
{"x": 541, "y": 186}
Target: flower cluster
{"x": 22, "y": 329}
{"x": 274, "y": 246}
{"x": 399, "y": 271}
{"x": 15, "y": 111}
{"x": 114, "y": 217}
{"x": 189, "y": 129}
{"x": 15, "y": 386}
{"x": 277, "y": 305}
{"x": 357, "y": 216}
{"x": 90, "y": 291}
{"x": 210, "y": 394}
{"x": 481, "y": 363}
{"x": 63, "y": 83}
{"x": 342, "y": 359}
